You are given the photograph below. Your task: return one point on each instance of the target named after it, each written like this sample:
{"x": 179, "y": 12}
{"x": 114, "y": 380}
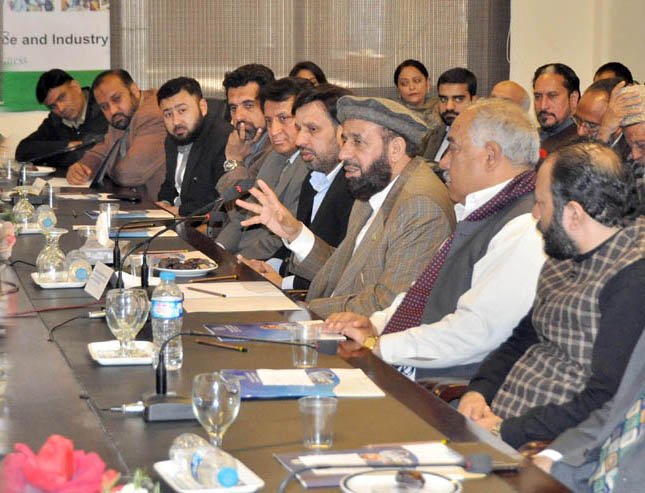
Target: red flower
{"x": 56, "y": 468}
{"x": 543, "y": 153}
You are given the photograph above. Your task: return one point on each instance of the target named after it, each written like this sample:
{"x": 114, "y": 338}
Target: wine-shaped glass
{"x": 216, "y": 403}
{"x": 124, "y": 309}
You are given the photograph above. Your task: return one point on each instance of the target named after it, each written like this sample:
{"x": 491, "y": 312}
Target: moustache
{"x": 545, "y": 113}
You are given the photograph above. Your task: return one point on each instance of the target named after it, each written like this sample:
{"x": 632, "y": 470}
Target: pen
{"x": 222, "y": 345}
{"x": 132, "y": 408}
{"x": 74, "y": 213}
{"x": 153, "y": 252}
{"x": 221, "y": 295}
{"x": 216, "y": 278}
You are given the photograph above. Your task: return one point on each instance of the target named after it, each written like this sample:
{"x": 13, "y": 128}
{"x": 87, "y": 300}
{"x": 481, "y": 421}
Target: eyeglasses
{"x": 590, "y": 126}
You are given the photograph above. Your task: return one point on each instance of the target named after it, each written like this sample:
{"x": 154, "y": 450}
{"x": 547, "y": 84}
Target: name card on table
{"x": 98, "y": 280}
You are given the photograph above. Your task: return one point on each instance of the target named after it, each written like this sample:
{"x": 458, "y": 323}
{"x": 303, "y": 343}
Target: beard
{"x": 556, "y": 242}
{"x": 369, "y": 182}
{"x": 448, "y": 117}
{"x": 542, "y": 119}
{"x": 190, "y": 135}
{"x": 249, "y": 129}
{"x": 120, "y": 121}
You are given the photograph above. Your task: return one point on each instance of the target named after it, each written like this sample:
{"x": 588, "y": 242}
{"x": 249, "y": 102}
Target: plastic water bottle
{"x": 78, "y": 266}
{"x": 167, "y": 314}
{"x": 45, "y": 217}
{"x": 210, "y": 466}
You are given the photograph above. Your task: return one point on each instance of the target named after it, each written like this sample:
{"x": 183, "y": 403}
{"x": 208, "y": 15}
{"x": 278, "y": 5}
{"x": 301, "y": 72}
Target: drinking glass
{"x": 145, "y": 310}
{"x": 124, "y": 310}
{"x": 216, "y": 402}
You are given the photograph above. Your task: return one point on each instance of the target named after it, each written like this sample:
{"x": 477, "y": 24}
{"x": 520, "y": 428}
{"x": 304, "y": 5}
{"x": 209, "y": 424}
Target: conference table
{"x": 51, "y": 385}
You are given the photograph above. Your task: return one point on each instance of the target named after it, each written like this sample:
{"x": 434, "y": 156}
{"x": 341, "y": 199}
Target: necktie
{"x": 626, "y": 434}
{"x": 410, "y": 311}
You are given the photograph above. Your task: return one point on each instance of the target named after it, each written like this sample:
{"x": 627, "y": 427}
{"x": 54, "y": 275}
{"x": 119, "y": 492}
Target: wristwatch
{"x": 370, "y": 342}
{"x": 497, "y": 428}
{"x": 230, "y": 165}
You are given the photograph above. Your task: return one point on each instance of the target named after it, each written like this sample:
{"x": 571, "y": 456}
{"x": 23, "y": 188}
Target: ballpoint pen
{"x": 221, "y": 295}
{"x": 216, "y": 278}
{"x": 223, "y": 345}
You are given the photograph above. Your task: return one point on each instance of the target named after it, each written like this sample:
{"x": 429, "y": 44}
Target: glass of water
{"x": 216, "y": 403}
{"x": 124, "y": 312}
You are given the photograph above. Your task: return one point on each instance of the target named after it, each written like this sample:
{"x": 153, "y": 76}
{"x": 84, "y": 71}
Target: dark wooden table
{"x": 55, "y": 387}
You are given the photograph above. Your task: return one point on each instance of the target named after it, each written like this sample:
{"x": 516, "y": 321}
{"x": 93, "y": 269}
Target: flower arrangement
{"x": 58, "y": 468}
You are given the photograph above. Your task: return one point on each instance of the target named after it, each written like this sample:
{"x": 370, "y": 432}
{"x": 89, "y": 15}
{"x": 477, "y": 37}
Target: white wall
{"x": 583, "y": 34}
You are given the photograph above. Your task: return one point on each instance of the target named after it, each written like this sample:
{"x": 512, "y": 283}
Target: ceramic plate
{"x": 40, "y": 171}
{"x": 188, "y": 272}
{"x": 56, "y": 285}
{"x": 106, "y": 353}
{"x": 167, "y": 469}
{"x": 383, "y": 480}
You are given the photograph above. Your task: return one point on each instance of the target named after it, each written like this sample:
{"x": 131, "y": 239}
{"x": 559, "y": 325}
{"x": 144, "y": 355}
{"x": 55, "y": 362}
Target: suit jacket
{"x": 203, "y": 169}
{"x": 252, "y": 164}
{"x": 581, "y": 445}
{"x": 332, "y": 217}
{"x": 414, "y": 220}
{"x": 433, "y": 139}
{"x": 144, "y": 163}
{"x": 564, "y": 137}
{"x": 257, "y": 242}
{"x": 53, "y": 135}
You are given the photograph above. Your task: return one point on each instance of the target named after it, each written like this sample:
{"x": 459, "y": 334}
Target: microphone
{"x": 474, "y": 463}
{"x": 162, "y": 406}
{"x": 64, "y": 150}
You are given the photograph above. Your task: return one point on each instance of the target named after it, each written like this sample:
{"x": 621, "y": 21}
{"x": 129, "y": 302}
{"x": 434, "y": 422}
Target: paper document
{"x": 294, "y": 383}
{"x": 245, "y": 296}
{"x": 59, "y": 182}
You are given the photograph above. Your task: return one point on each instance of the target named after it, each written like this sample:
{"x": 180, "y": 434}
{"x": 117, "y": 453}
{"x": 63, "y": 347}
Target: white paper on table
{"x": 130, "y": 281}
{"x": 102, "y": 229}
{"x": 354, "y": 383}
{"x": 284, "y": 377}
{"x": 245, "y": 296}
{"x": 58, "y": 182}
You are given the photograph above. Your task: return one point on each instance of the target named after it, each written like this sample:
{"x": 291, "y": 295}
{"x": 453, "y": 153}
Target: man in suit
{"x": 482, "y": 281}
{"x": 556, "y": 91}
{"x": 248, "y": 144}
{"x": 565, "y": 359}
{"x": 325, "y": 202}
{"x": 282, "y": 168}
{"x": 74, "y": 119}
{"x": 400, "y": 218}
{"x": 574, "y": 458}
{"x": 194, "y": 146}
{"x": 132, "y": 153}
{"x": 457, "y": 89}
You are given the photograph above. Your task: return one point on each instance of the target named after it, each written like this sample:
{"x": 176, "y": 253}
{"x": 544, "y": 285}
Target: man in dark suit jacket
{"x": 579, "y": 447}
{"x": 74, "y": 119}
{"x": 194, "y": 146}
{"x": 330, "y": 220}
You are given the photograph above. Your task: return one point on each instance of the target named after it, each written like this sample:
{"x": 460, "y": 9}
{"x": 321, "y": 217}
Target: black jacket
{"x": 53, "y": 135}
{"x": 204, "y": 166}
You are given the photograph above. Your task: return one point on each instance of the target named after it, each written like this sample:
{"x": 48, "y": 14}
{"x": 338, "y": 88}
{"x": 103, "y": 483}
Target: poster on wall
{"x": 38, "y": 35}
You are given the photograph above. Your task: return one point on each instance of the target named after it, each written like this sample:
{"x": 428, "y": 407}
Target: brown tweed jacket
{"x": 145, "y": 160}
{"x": 416, "y": 217}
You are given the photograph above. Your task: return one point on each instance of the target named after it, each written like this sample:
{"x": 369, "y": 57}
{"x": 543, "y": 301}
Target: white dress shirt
{"x": 502, "y": 289}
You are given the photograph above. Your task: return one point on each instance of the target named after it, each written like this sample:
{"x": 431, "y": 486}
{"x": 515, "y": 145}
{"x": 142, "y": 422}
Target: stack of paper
{"x": 245, "y": 296}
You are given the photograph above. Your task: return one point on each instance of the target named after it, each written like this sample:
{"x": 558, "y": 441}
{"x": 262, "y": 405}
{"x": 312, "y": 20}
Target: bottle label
{"x": 166, "y": 309}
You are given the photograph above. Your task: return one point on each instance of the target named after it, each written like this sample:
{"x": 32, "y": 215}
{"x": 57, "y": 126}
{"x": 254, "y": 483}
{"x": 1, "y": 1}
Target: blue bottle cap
{"x": 227, "y": 477}
{"x": 167, "y": 276}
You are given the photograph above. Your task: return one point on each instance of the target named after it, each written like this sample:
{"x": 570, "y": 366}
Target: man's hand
{"x": 166, "y": 206}
{"x": 543, "y": 463}
{"x": 237, "y": 147}
{"x": 489, "y": 421}
{"x": 262, "y": 268}
{"x": 78, "y": 173}
{"x": 621, "y": 104}
{"x": 74, "y": 143}
{"x": 270, "y": 212}
{"x": 473, "y": 406}
{"x": 349, "y": 324}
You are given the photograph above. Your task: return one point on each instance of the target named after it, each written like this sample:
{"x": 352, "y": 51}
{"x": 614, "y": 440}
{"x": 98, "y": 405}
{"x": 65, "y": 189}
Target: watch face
{"x": 230, "y": 165}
